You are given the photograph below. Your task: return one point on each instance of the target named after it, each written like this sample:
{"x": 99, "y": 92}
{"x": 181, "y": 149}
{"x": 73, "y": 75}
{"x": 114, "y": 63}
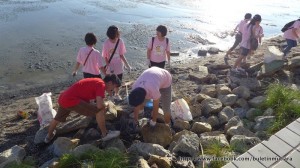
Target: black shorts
{"x": 158, "y": 64}
{"x": 244, "y": 51}
{"x": 88, "y": 75}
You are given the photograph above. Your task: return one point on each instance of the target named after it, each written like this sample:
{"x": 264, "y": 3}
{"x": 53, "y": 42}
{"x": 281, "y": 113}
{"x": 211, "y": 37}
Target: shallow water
{"x": 40, "y": 38}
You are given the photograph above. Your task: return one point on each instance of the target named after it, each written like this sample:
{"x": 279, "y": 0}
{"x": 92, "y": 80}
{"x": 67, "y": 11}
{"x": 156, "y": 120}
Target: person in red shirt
{"x": 78, "y": 97}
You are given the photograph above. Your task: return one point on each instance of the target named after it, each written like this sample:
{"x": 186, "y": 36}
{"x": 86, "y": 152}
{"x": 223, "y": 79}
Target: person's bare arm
{"x": 76, "y": 68}
{"x": 125, "y": 61}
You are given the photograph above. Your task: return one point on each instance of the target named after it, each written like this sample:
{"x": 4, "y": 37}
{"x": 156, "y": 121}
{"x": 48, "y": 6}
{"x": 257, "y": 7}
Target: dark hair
{"x": 90, "y": 39}
{"x": 137, "y": 96}
{"x": 162, "y": 29}
{"x": 254, "y": 19}
{"x": 112, "y": 78}
{"x": 248, "y": 16}
{"x": 112, "y": 32}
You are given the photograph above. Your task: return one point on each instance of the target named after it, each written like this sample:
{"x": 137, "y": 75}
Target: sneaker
{"x": 117, "y": 97}
{"x": 49, "y": 139}
{"x": 110, "y": 135}
{"x": 241, "y": 69}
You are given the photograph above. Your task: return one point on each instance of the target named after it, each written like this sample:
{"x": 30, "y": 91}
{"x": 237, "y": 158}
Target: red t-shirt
{"x": 84, "y": 90}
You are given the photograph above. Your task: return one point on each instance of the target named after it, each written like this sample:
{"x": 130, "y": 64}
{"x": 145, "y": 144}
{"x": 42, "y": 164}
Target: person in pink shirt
{"x": 90, "y": 59}
{"x": 116, "y": 65}
{"x": 238, "y": 35}
{"x": 252, "y": 28}
{"x": 291, "y": 35}
{"x": 154, "y": 83}
{"x": 159, "y": 48}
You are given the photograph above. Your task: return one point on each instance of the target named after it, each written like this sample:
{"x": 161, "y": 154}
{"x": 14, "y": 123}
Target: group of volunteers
{"x": 249, "y": 33}
{"x": 154, "y": 83}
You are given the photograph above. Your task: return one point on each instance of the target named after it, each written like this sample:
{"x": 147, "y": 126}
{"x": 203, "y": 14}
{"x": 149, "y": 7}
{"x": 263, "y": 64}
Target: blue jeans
{"x": 290, "y": 45}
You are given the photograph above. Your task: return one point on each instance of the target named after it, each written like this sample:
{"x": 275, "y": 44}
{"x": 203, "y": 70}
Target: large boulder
{"x": 242, "y": 143}
{"x": 241, "y": 92}
{"x": 63, "y": 145}
{"x": 200, "y": 127}
{"x": 147, "y": 149}
{"x": 213, "y": 121}
{"x": 234, "y": 121}
{"x": 206, "y": 140}
{"x": 180, "y": 124}
{"x": 40, "y": 135}
{"x": 263, "y": 122}
{"x": 160, "y": 161}
{"x": 211, "y": 106}
{"x": 226, "y": 114}
{"x": 256, "y": 102}
{"x": 223, "y": 90}
{"x": 239, "y": 130}
{"x": 270, "y": 68}
{"x": 14, "y": 154}
{"x": 75, "y": 123}
{"x": 81, "y": 149}
{"x": 115, "y": 143}
{"x": 161, "y": 134}
{"x": 228, "y": 100}
{"x": 209, "y": 90}
{"x": 187, "y": 144}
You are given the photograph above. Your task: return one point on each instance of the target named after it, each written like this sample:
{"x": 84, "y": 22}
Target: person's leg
{"x": 117, "y": 89}
{"x": 290, "y": 45}
{"x": 244, "y": 53}
{"x": 238, "y": 39}
{"x": 166, "y": 98}
{"x": 100, "y": 118}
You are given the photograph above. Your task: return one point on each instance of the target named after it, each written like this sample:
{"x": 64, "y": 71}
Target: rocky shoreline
{"x": 224, "y": 106}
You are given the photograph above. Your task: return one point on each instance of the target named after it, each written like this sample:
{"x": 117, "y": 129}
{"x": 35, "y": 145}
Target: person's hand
{"x": 74, "y": 73}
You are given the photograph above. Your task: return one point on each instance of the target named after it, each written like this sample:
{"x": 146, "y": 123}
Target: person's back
{"x": 293, "y": 32}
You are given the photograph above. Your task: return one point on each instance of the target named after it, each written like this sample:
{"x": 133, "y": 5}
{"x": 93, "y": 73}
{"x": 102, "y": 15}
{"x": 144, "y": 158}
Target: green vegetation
{"x": 218, "y": 150}
{"x": 104, "y": 158}
{"x": 24, "y": 164}
{"x": 286, "y": 104}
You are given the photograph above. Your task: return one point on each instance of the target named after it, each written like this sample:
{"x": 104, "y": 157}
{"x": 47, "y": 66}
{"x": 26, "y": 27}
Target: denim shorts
{"x": 244, "y": 51}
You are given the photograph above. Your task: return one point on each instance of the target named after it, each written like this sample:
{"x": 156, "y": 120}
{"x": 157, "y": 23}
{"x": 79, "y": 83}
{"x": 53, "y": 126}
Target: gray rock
{"x": 242, "y": 143}
{"x": 223, "y": 90}
{"x": 241, "y": 112}
{"x": 147, "y": 149}
{"x": 269, "y": 112}
{"x": 270, "y": 68}
{"x": 257, "y": 101}
{"x": 213, "y": 50}
{"x": 226, "y": 114}
{"x": 142, "y": 163}
{"x": 63, "y": 145}
{"x": 209, "y": 90}
{"x": 49, "y": 163}
{"x": 202, "y": 52}
{"x": 200, "y": 97}
{"x": 295, "y": 62}
{"x": 211, "y": 105}
{"x": 160, "y": 134}
{"x": 199, "y": 127}
{"x": 92, "y": 133}
{"x": 239, "y": 130}
{"x": 263, "y": 122}
{"x": 14, "y": 154}
{"x": 228, "y": 100}
{"x": 188, "y": 144}
{"x": 81, "y": 149}
{"x": 160, "y": 161}
{"x": 235, "y": 121}
{"x": 242, "y": 103}
{"x": 206, "y": 141}
{"x": 115, "y": 143}
{"x": 74, "y": 124}
{"x": 213, "y": 121}
{"x": 181, "y": 125}
{"x": 242, "y": 92}
{"x": 252, "y": 113}
{"x": 40, "y": 135}
{"x": 179, "y": 134}
{"x": 183, "y": 163}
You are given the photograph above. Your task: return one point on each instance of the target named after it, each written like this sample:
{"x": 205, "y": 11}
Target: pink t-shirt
{"x": 93, "y": 63}
{"x": 152, "y": 80}
{"x": 242, "y": 25}
{"x": 116, "y": 65}
{"x": 159, "y": 50}
{"x": 289, "y": 33}
{"x": 247, "y": 34}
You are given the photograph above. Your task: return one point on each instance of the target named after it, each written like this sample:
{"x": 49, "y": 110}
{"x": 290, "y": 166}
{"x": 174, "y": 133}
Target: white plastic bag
{"x": 180, "y": 109}
{"x": 45, "y": 112}
{"x": 272, "y": 54}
